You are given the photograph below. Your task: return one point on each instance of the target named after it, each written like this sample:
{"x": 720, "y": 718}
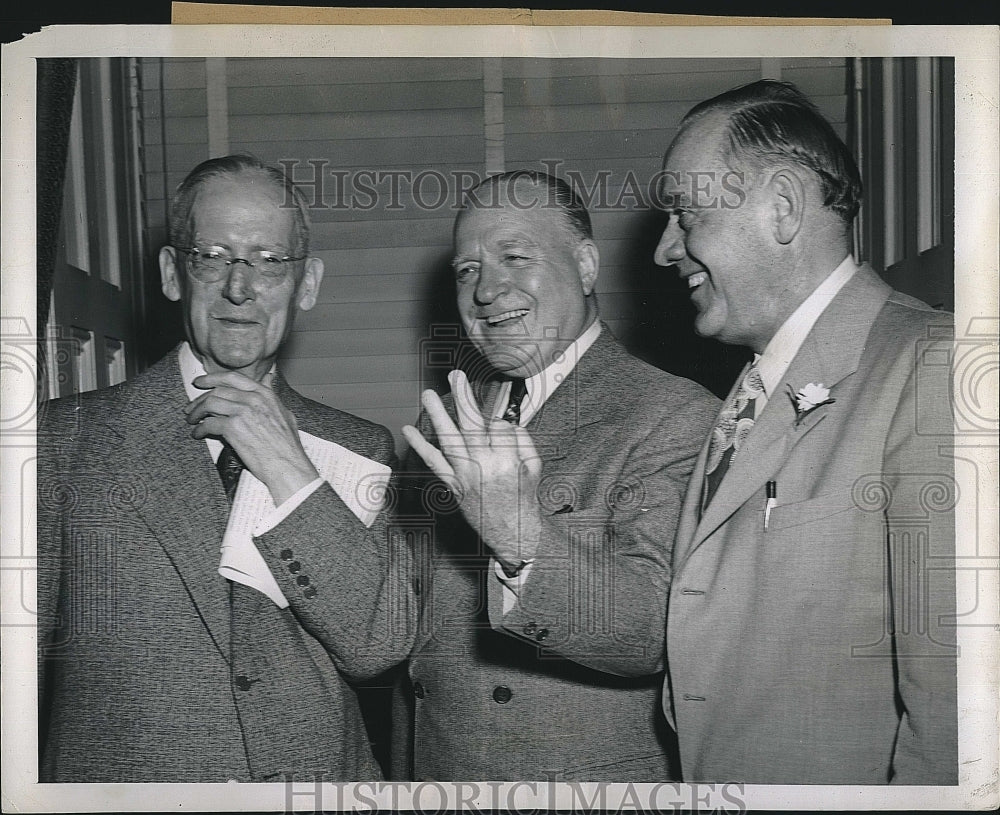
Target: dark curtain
{"x": 56, "y": 83}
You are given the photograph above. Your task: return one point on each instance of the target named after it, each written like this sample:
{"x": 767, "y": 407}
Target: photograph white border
{"x": 977, "y": 226}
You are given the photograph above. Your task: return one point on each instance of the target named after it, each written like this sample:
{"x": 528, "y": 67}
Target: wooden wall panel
{"x": 607, "y": 123}
{"x": 388, "y": 282}
{"x": 386, "y": 249}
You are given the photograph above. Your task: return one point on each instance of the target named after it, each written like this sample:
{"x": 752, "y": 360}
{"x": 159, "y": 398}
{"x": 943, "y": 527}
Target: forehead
{"x": 697, "y": 149}
{"x": 529, "y": 217}
{"x": 244, "y": 202}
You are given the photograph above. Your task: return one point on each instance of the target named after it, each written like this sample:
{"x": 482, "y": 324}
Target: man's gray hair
{"x": 230, "y": 167}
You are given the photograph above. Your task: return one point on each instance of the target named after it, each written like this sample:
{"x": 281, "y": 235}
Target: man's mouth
{"x": 499, "y": 319}
{"x": 695, "y": 280}
{"x": 236, "y": 320}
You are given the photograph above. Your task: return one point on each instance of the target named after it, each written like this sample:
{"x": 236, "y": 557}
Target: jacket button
{"x": 530, "y": 629}
{"x": 418, "y": 690}
{"x": 501, "y": 694}
{"x": 309, "y": 593}
{"x": 542, "y": 635}
{"x": 286, "y": 554}
{"x": 295, "y": 567}
{"x": 243, "y": 682}
{"x": 302, "y": 580}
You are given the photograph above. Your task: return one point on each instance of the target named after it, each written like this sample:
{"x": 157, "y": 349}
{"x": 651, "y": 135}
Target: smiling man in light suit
{"x": 808, "y": 630}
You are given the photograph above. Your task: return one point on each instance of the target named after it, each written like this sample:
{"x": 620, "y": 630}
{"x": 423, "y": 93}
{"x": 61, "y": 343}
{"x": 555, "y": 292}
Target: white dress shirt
{"x": 787, "y": 340}
{"x": 539, "y": 388}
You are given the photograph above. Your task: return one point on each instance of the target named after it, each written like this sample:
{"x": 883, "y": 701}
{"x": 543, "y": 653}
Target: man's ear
{"x": 789, "y": 203}
{"x": 308, "y": 288}
{"x": 170, "y": 281}
{"x": 588, "y": 261}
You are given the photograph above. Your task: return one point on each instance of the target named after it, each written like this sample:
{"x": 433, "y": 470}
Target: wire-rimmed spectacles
{"x": 211, "y": 265}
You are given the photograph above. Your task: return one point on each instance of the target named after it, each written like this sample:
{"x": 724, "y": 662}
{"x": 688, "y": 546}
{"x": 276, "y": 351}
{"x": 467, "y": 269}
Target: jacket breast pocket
{"x": 811, "y": 511}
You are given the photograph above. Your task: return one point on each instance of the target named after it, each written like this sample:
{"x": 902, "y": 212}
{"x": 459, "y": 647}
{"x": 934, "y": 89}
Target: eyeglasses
{"x": 211, "y": 265}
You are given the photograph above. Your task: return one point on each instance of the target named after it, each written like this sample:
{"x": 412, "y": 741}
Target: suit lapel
{"x": 579, "y": 402}
{"x": 186, "y": 507}
{"x": 830, "y": 353}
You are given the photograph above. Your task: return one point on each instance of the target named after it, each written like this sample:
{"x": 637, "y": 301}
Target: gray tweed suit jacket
{"x": 565, "y": 686}
{"x": 153, "y": 667}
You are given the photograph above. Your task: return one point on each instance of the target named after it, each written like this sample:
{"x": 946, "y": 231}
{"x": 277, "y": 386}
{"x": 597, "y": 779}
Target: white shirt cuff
{"x": 511, "y": 585}
{"x": 288, "y": 506}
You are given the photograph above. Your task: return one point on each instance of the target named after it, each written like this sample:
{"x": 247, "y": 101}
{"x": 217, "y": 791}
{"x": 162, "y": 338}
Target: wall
{"x": 602, "y": 122}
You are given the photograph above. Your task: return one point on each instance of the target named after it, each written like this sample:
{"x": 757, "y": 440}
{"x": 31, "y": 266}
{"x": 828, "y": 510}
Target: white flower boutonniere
{"x": 808, "y": 399}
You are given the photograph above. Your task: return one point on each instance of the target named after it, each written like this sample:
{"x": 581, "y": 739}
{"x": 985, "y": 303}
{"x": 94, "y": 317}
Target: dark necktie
{"x": 518, "y": 390}
{"x": 229, "y": 466}
{"x": 734, "y": 424}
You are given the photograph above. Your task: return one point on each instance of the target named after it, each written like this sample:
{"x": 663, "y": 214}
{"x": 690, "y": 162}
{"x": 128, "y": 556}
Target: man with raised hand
{"x": 541, "y": 642}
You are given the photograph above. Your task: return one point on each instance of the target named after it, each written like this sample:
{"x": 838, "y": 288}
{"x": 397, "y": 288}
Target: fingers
{"x": 470, "y": 418}
{"x": 212, "y": 403}
{"x": 210, "y": 426}
{"x": 431, "y": 456}
{"x": 449, "y": 437}
{"x": 229, "y": 379}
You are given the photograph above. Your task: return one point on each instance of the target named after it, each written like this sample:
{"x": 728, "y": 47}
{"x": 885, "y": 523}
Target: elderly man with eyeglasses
{"x": 159, "y": 661}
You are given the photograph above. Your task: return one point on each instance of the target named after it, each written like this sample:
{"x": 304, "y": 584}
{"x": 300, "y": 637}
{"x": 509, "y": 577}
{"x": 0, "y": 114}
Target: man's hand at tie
{"x": 259, "y": 428}
{"x": 492, "y": 468}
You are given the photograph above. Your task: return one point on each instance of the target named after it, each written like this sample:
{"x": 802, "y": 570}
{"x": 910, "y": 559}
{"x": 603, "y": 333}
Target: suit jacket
{"x": 148, "y": 670}
{"x": 822, "y": 649}
{"x": 565, "y": 686}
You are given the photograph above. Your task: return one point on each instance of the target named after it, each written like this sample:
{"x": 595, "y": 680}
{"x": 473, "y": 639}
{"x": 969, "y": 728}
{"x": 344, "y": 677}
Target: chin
{"x": 236, "y": 361}
{"x": 508, "y": 360}
{"x": 709, "y": 325}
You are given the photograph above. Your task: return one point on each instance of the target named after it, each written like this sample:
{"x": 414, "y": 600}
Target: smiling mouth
{"x": 695, "y": 280}
{"x": 499, "y": 319}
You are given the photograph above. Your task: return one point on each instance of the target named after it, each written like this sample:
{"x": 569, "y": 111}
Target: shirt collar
{"x": 543, "y": 384}
{"x": 788, "y": 339}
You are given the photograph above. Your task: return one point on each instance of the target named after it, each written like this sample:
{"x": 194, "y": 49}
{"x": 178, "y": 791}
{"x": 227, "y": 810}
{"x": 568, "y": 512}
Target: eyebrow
{"x": 256, "y": 247}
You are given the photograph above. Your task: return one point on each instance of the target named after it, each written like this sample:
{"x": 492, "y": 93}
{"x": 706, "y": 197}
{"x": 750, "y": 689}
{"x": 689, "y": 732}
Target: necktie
{"x": 518, "y": 390}
{"x": 735, "y": 422}
{"x": 230, "y": 467}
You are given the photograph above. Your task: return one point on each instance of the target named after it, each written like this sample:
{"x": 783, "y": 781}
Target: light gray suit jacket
{"x": 821, "y": 651}
{"x": 148, "y": 672}
{"x": 566, "y": 686}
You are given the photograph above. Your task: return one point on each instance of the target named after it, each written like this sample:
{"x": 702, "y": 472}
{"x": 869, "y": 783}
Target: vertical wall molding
{"x": 770, "y": 68}
{"x": 493, "y": 114}
{"x": 217, "y": 93}
{"x": 890, "y": 160}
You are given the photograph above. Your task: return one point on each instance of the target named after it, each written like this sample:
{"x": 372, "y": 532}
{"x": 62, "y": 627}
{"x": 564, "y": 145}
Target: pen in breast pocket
{"x": 772, "y": 499}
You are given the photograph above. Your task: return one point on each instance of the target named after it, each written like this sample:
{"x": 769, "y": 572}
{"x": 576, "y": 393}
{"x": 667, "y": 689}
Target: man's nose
{"x": 239, "y": 282}
{"x": 493, "y": 281}
{"x": 671, "y": 247}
